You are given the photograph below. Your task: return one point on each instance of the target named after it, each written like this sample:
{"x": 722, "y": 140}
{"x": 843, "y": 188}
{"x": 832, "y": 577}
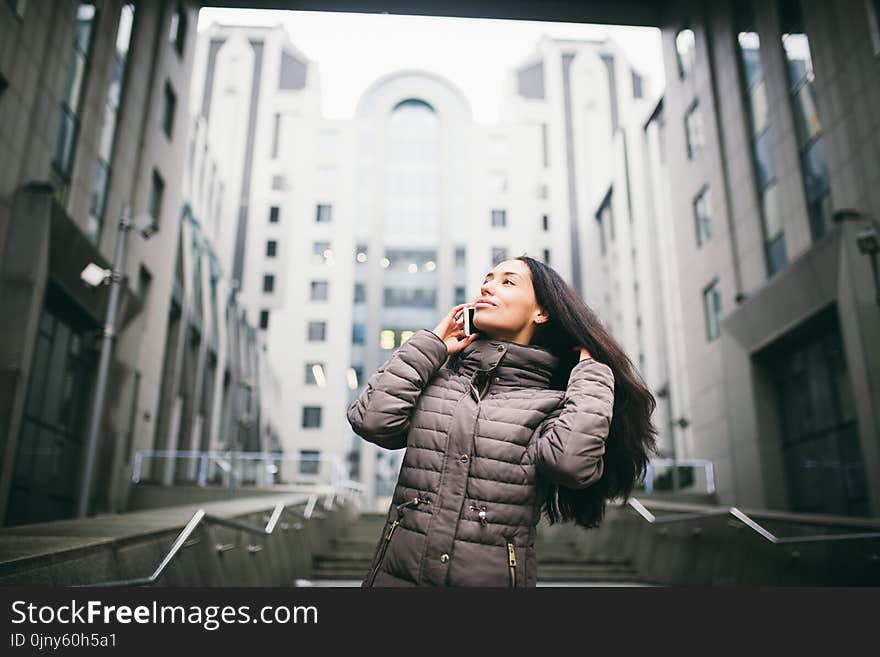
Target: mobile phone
{"x": 469, "y": 320}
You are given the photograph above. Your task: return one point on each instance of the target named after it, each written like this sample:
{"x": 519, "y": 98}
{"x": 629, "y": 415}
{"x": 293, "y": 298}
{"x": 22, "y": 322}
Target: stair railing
{"x": 201, "y": 517}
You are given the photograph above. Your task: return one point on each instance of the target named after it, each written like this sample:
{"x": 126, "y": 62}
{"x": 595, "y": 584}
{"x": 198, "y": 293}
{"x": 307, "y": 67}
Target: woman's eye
{"x": 508, "y": 281}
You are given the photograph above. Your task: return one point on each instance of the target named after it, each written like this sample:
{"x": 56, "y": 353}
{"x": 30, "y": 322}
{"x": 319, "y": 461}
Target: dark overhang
{"x": 616, "y": 12}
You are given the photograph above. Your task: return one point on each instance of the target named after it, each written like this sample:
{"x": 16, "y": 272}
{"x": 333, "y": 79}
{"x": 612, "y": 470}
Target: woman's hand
{"x": 584, "y": 353}
{"x": 451, "y": 330}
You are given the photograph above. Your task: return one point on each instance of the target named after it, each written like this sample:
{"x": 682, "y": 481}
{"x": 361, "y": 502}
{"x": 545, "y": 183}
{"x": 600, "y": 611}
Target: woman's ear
{"x": 541, "y": 316}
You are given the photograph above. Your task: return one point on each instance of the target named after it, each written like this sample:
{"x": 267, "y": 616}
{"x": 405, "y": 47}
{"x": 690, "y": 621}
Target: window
{"x": 311, "y": 417}
{"x": 693, "y": 123}
{"x": 315, "y": 374}
{"x": 530, "y": 81}
{"x": 276, "y": 129}
{"x": 279, "y": 182}
{"x": 157, "y": 191}
{"x": 319, "y": 290}
{"x": 177, "y": 31}
{"x": 712, "y": 310}
{"x": 269, "y": 283}
{"x": 499, "y": 218}
{"x": 358, "y": 333}
{"x": 611, "y": 73}
{"x": 309, "y": 461}
{"x": 264, "y": 319}
{"x": 52, "y": 435}
{"x": 545, "y": 148}
{"x": 360, "y": 293}
{"x": 108, "y": 127}
{"x": 605, "y": 217}
{"x": 321, "y": 252}
{"x": 808, "y": 127}
{"x": 498, "y": 254}
{"x": 637, "y": 85}
{"x": 703, "y": 216}
{"x": 18, "y": 7}
{"x": 497, "y": 182}
{"x": 685, "y": 45}
{"x": 763, "y": 160}
{"x": 459, "y": 295}
{"x": 411, "y": 260}
{"x": 71, "y": 100}
{"x": 460, "y": 256}
{"x": 410, "y": 297}
{"x": 292, "y": 73}
{"x": 271, "y": 248}
{"x": 546, "y": 256}
{"x": 168, "y": 106}
{"x": 873, "y": 9}
{"x": 274, "y": 214}
{"x": 317, "y": 331}
{"x": 323, "y": 214}
{"x": 820, "y": 448}
{"x": 545, "y": 222}
{"x": 386, "y": 339}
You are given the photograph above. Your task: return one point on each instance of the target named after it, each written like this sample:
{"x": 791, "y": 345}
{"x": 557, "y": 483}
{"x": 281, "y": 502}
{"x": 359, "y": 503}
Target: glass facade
{"x": 808, "y": 127}
{"x": 71, "y": 100}
{"x": 761, "y": 134}
{"x": 822, "y": 455}
{"x": 413, "y": 172}
{"x": 108, "y": 128}
{"x": 55, "y": 421}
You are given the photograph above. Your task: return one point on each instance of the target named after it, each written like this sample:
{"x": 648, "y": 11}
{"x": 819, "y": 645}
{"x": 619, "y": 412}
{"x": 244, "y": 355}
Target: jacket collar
{"x": 514, "y": 364}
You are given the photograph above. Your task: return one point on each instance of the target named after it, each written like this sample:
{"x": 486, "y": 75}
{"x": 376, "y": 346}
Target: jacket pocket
{"x": 415, "y": 501}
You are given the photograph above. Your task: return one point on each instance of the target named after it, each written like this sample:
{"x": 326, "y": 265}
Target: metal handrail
{"x": 747, "y": 521}
{"x": 199, "y": 517}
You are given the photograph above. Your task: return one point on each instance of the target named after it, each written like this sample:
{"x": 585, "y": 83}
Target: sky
{"x": 353, "y": 50}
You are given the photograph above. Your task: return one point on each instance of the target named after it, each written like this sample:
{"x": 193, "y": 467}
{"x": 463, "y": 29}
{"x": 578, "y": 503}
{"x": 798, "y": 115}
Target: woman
{"x": 539, "y": 411}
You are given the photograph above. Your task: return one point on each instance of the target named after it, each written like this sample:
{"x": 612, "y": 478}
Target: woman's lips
{"x": 483, "y": 304}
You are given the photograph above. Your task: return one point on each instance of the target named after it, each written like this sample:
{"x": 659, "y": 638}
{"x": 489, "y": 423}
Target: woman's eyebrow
{"x": 490, "y": 274}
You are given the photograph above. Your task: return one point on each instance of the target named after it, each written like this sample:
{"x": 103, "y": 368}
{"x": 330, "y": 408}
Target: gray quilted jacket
{"x": 479, "y": 428}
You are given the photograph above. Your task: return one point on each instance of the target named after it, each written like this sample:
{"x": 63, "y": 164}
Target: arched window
{"x": 413, "y": 170}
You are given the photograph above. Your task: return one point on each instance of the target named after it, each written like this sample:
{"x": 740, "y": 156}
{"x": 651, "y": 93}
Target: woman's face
{"x": 506, "y": 308}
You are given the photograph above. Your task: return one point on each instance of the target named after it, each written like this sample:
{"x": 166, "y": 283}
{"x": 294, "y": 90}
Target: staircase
{"x": 560, "y": 563}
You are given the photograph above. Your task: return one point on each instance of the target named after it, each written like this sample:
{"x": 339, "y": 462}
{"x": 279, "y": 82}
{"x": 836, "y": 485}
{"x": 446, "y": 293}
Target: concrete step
{"x": 350, "y": 583}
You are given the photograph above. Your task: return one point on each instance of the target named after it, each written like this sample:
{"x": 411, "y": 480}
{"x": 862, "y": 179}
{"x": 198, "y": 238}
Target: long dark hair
{"x": 632, "y": 435}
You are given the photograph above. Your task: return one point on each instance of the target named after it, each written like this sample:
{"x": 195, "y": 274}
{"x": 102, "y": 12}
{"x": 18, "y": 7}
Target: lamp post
{"x": 867, "y": 240}
{"x": 93, "y": 275}
{"x": 682, "y": 422}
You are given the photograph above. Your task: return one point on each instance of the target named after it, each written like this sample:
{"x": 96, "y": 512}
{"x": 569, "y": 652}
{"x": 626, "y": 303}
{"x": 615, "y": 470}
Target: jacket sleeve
{"x": 381, "y": 413}
{"x": 571, "y": 441}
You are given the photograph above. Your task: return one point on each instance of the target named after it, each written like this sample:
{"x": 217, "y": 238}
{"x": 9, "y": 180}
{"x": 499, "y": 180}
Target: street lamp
{"x": 682, "y": 423}
{"x": 93, "y": 275}
{"x": 867, "y": 241}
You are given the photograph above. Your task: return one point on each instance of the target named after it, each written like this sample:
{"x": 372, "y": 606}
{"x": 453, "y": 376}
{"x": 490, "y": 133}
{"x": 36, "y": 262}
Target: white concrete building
{"x": 359, "y": 232}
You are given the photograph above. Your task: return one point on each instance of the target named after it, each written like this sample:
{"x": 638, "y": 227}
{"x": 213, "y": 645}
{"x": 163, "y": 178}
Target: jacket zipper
{"x": 400, "y": 507}
{"x": 511, "y": 562}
